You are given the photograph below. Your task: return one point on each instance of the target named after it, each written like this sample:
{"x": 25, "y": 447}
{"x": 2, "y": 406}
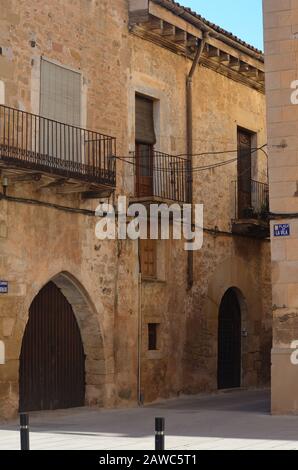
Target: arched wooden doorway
{"x": 52, "y": 361}
{"x": 229, "y": 342}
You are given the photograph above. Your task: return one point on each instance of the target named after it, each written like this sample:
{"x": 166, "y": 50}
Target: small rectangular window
{"x": 148, "y": 258}
{"x": 152, "y": 336}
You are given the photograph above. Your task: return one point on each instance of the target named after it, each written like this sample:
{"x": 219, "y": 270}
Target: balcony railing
{"x": 33, "y": 142}
{"x": 162, "y": 176}
{"x": 251, "y": 200}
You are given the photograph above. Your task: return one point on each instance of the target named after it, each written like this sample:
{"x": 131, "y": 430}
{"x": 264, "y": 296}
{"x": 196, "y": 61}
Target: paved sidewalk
{"x": 237, "y": 420}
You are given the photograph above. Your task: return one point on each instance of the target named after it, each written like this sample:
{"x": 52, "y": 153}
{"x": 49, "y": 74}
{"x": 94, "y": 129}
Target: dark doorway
{"x": 229, "y": 342}
{"x": 244, "y": 173}
{"x": 52, "y": 361}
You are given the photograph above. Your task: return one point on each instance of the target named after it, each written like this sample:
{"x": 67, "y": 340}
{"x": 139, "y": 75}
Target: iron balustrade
{"x": 251, "y": 202}
{"x": 41, "y": 144}
{"x": 162, "y": 176}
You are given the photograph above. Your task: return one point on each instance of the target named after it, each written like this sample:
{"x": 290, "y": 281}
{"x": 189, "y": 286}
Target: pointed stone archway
{"x": 229, "y": 356}
{"x": 91, "y": 336}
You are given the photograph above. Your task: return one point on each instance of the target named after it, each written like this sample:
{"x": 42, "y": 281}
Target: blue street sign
{"x": 282, "y": 230}
{"x": 3, "y": 287}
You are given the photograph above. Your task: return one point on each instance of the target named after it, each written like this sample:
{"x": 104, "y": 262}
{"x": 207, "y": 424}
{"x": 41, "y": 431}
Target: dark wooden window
{"x": 152, "y": 336}
{"x": 145, "y": 141}
{"x": 244, "y": 171}
{"x": 148, "y": 257}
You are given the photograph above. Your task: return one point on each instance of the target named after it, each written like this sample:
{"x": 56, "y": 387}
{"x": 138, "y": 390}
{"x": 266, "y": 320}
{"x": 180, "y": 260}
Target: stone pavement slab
{"x": 238, "y": 420}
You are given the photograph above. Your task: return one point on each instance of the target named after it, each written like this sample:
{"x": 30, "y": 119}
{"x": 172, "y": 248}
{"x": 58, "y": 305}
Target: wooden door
{"x": 244, "y": 172}
{"x": 52, "y": 361}
{"x": 229, "y": 342}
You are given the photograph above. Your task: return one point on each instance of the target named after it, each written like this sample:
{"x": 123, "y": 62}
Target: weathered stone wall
{"x": 37, "y": 243}
{"x": 100, "y": 279}
{"x": 281, "y": 46}
{"x": 41, "y": 243}
{"x": 187, "y": 359}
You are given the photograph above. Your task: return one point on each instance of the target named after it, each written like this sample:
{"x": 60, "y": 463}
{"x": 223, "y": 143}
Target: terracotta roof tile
{"x": 214, "y": 26}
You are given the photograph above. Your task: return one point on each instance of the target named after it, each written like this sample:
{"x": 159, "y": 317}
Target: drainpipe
{"x": 189, "y": 134}
{"x": 140, "y": 331}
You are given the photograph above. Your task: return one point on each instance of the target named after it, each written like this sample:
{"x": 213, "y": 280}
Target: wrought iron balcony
{"x": 32, "y": 142}
{"x": 160, "y": 176}
{"x": 251, "y": 208}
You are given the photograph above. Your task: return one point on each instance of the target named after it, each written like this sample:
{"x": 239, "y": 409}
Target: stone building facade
{"x": 145, "y": 335}
{"x": 280, "y": 22}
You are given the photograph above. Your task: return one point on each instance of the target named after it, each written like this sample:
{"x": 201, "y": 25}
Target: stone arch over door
{"x": 92, "y": 340}
{"x": 233, "y": 273}
{"x": 229, "y": 355}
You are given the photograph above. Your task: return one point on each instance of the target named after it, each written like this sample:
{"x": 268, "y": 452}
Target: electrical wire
{"x": 183, "y": 160}
{"x": 188, "y": 170}
{"x": 222, "y": 152}
{"x": 89, "y": 213}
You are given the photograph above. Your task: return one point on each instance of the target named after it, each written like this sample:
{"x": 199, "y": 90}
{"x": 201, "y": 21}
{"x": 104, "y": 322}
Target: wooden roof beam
{"x": 154, "y": 24}
{"x": 180, "y": 37}
{"x": 192, "y": 41}
{"x": 244, "y": 68}
{"x": 234, "y": 63}
{"x": 213, "y": 52}
{"x": 224, "y": 58}
{"x": 168, "y": 31}
{"x": 261, "y": 76}
{"x": 252, "y": 73}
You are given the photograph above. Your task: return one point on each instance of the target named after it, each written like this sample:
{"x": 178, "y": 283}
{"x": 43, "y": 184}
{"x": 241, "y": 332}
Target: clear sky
{"x": 241, "y": 17}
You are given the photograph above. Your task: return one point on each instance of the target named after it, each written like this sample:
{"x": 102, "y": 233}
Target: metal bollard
{"x": 159, "y": 434}
{"x": 24, "y": 430}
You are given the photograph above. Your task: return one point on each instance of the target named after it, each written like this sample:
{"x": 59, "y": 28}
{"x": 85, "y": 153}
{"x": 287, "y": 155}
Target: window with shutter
{"x": 60, "y": 100}
{"x": 145, "y": 141}
{"x": 60, "y": 93}
{"x": 148, "y": 258}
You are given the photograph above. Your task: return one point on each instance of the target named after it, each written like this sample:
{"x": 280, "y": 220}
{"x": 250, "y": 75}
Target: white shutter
{"x": 60, "y": 94}
{"x": 60, "y": 100}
